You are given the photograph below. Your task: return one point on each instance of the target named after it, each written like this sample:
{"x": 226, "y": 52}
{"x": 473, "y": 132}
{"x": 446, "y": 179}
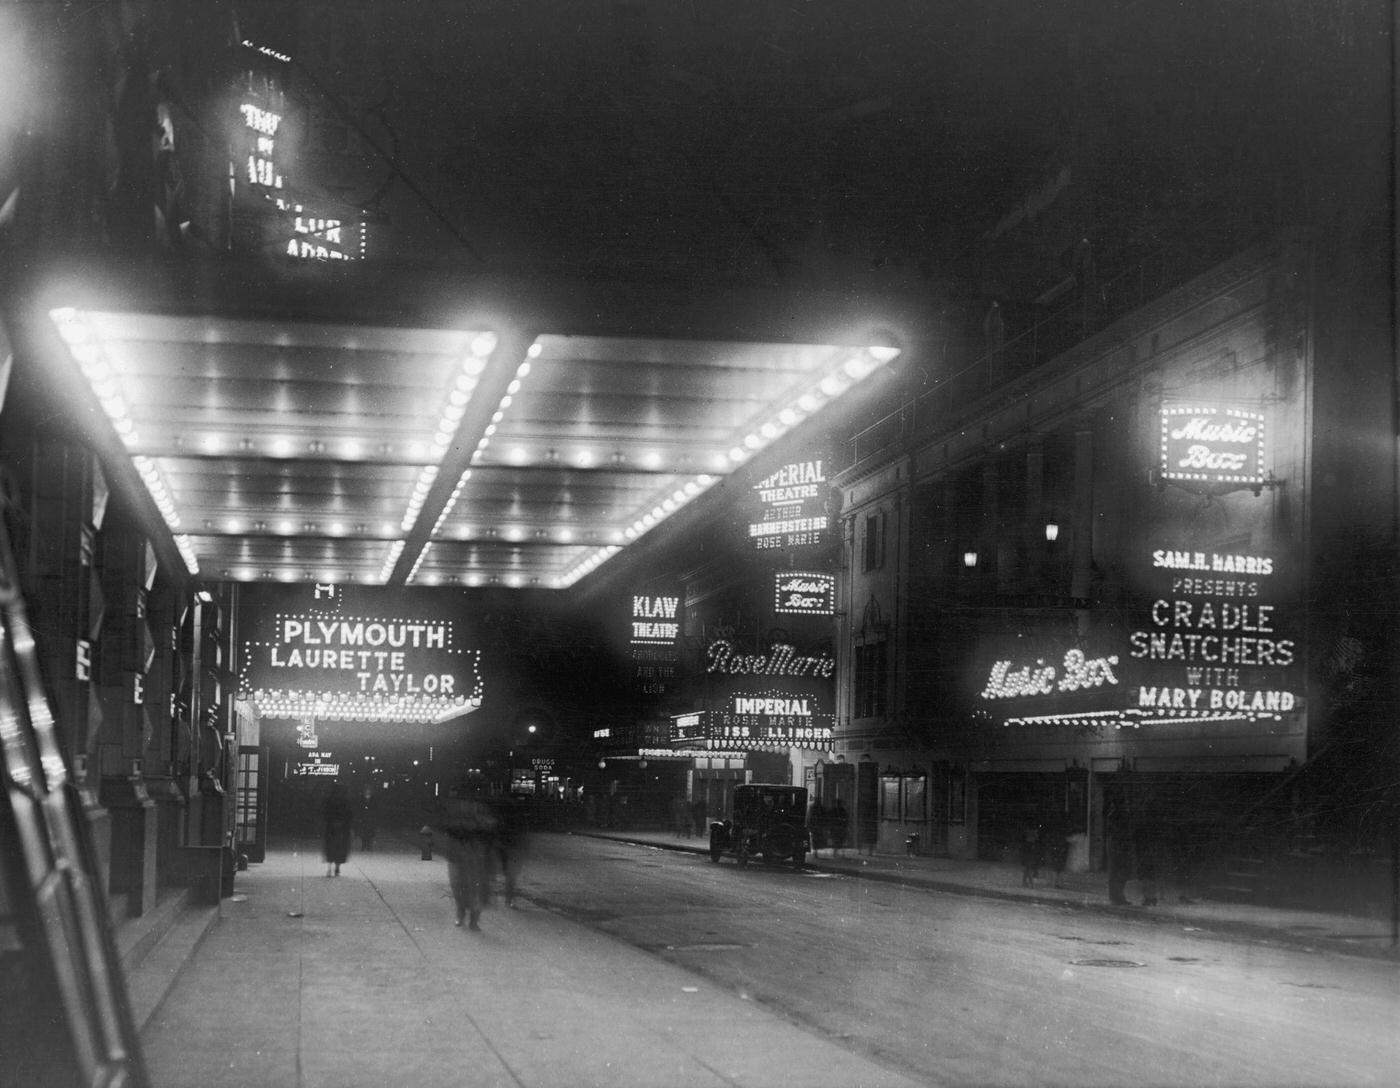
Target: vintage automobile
{"x": 768, "y": 821}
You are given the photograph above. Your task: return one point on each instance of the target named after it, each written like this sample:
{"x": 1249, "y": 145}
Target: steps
{"x": 156, "y": 946}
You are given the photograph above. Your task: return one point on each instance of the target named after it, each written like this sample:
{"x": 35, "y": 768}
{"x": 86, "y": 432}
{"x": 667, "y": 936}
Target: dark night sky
{"x": 823, "y": 141}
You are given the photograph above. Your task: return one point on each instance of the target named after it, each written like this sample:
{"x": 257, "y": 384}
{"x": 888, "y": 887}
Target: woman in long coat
{"x": 468, "y": 827}
{"x": 337, "y": 816}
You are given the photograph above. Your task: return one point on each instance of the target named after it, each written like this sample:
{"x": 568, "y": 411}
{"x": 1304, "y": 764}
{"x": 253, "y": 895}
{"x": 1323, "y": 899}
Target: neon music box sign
{"x": 803, "y": 593}
{"x": 1212, "y": 445}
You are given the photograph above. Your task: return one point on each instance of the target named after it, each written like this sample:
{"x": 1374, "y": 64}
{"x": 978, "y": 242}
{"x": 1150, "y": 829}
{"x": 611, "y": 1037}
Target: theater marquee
{"x": 378, "y": 655}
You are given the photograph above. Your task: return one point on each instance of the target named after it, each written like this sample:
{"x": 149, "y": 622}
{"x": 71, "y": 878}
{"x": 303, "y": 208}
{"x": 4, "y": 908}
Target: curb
{"x": 1226, "y": 927}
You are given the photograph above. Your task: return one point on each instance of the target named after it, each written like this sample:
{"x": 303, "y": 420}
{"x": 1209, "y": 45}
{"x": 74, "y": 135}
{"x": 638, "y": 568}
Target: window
{"x": 873, "y": 542}
{"x": 869, "y": 680}
{"x": 902, "y": 797}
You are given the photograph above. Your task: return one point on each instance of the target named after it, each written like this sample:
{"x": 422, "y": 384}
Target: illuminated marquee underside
{"x": 355, "y": 707}
{"x": 1132, "y": 718}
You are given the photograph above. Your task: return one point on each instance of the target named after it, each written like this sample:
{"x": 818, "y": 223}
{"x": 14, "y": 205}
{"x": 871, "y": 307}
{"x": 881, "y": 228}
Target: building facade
{"x": 1100, "y": 596}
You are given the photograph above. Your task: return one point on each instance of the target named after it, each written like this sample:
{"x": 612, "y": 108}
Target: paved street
{"x": 635, "y": 965}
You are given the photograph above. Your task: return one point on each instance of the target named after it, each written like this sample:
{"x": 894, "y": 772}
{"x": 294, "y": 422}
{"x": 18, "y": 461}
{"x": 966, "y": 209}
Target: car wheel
{"x": 782, "y": 843}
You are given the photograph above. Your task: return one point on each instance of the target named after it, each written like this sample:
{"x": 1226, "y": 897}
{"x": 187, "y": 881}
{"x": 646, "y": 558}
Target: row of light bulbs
{"x": 855, "y": 369}
{"x": 74, "y": 328}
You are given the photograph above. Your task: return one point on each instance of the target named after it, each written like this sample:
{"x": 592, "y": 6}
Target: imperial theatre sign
{"x": 792, "y": 501}
{"x": 376, "y": 657}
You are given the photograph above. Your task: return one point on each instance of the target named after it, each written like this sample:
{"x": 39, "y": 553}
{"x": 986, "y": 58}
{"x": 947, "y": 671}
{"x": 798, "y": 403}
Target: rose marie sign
{"x": 333, "y": 653}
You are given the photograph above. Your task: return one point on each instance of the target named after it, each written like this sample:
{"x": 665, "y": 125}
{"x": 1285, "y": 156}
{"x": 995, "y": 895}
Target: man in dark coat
{"x": 337, "y": 818}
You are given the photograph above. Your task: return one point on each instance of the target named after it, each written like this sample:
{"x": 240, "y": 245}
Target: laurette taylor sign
{"x": 1212, "y": 445}
{"x": 793, "y": 504}
{"x": 310, "y": 659}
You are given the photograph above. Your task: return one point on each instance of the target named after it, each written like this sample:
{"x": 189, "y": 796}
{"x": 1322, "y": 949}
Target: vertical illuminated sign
{"x": 1214, "y": 643}
{"x": 793, "y": 505}
{"x": 654, "y": 629}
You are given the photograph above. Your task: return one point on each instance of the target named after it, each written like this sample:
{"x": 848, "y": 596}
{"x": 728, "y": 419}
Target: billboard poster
{"x": 1216, "y": 642}
{"x": 357, "y": 653}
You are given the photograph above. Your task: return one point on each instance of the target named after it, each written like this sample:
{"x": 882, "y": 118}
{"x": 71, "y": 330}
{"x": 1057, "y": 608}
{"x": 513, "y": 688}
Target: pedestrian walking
{"x": 837, "y": 821}
{"x": 367, "y": 819}
{"x": 1145, "y": 846}
{"x": 510, "y": 839}
{"x": 337, "y": 819}
{"x": 467, "y": 826}
{"x": 699, "y": 813}
{"x": 682, "y": 824}
{"x": 1030, "y": 853}
{"x": 1118, "y": 831}
{"x": 817, "y": 823}
{"x": 1057, "y": 849}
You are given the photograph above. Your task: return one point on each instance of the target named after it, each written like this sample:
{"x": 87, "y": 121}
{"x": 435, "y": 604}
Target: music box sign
{"x": 804, "y": 593}
{"x": 1212, "y": 445}
{"x": 793, "y": 504}
{"x": 1050, "y": 681}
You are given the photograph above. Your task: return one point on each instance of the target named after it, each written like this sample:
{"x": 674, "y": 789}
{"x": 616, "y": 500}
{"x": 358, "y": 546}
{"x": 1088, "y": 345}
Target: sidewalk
{"x": 362, "y": 980}
{"x": 1312, "y": 930}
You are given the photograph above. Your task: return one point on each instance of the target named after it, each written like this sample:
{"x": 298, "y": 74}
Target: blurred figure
{"x": 837, "y": 822}
{"x": 367, "y": 820}
{"x": 817, "y": 822}
{"x": 467, "y": 827}
{"x": 337, "y": 818}
{"x": 682, "y": 823}
{"x": 699, "y": 814}
{"x": 509, "y": 841}
{"x": 1030, "y": 853}
{"x": 1057, "y": 848}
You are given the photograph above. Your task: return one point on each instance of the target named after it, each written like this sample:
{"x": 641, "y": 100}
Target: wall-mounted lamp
{"x": 641, "y": 764}
{"x": 602, "y": 764}
{"x": 1052, "y": 531}
{"x": 970, "y": 558}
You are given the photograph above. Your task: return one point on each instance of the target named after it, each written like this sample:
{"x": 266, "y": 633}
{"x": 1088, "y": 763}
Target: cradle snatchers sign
{"x": 338, "y": 659}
